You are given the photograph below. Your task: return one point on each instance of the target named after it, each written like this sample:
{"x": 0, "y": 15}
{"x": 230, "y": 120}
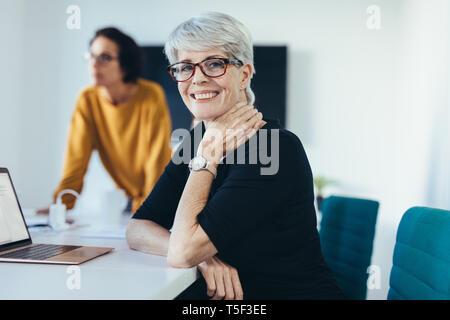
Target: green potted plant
{"x": 320, "y": 182}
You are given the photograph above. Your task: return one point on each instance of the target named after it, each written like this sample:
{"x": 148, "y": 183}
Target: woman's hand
{"x": 227, "y": 132}
{"x": 45, "y": 210}
{"x": 222, "y": 280}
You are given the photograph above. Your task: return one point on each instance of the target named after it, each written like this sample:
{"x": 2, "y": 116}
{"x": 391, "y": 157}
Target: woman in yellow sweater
{"x": 123, "y": 117}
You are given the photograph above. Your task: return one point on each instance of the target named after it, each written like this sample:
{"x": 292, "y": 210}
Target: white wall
{"x": 11, "y": 57}
{"x": 359, "y": 99}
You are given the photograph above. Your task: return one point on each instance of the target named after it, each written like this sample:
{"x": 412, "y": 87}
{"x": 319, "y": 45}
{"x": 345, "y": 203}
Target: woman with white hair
{"x": 251, "y": 234}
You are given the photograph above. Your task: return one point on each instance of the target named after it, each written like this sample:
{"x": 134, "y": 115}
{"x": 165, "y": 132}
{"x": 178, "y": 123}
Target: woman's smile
{"x": 204, "y": 95}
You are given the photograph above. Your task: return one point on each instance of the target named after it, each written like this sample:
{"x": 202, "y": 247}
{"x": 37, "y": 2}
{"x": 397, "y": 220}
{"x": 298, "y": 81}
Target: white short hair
{"x": 213, "y": 30}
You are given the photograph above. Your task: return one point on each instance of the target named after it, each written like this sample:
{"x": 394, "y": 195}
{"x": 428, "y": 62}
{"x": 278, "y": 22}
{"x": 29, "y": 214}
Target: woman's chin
{"x": 205, "y": 116}
{"x": 209, "y": 114}
{"x": 97, "y": 83}
{"x": 201, "y": 118}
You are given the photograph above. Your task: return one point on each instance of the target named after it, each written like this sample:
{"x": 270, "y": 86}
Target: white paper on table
{"x": 105, "y": 233}
{"x": 35, "y": 219}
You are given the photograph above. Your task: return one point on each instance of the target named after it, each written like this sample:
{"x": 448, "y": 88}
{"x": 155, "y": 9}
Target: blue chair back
{"x": 421, "y": 261}
{"x": 346, "y": 233}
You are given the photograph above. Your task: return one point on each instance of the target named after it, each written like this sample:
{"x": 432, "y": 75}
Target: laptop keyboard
{"x": 39, "y": 252}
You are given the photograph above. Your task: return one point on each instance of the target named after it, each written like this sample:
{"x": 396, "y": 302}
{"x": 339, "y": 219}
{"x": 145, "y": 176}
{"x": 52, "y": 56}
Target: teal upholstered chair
{"x": 347, "y": 230}
{"x": 421, "y": 262}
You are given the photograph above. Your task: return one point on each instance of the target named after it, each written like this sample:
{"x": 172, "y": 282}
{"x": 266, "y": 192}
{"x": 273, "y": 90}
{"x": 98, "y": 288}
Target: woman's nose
{"x": 93, "y": 63}
{"x": 199, "y": 76}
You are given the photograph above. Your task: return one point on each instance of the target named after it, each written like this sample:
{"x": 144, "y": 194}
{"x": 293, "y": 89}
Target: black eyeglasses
{"x": 103, "y": 58}
{"x": 211, "y": 67}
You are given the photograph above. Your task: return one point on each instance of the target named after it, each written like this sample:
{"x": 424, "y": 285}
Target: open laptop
{"x": 15, "y": 240}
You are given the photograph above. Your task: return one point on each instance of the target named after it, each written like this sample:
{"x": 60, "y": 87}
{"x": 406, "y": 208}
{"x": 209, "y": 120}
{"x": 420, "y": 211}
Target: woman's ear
{"x": 246, "y": 75}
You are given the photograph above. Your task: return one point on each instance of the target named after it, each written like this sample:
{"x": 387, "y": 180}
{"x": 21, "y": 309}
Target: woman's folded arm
{"x": 147, "y": 236}
{"x": 189, "y": 244}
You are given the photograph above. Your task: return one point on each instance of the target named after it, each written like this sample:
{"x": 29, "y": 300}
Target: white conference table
{"x": 120, "y": 274}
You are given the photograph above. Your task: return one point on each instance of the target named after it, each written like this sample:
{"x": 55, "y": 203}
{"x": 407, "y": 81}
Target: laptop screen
{"x": 12, "y": 226}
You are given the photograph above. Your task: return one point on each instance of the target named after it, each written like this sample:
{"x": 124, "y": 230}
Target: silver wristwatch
{"x": 200, "y": 163}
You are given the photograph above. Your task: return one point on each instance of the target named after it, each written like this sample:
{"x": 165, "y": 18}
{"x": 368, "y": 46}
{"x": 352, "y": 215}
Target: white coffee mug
{"x": 57, "y": 217}
{"x": 113, "y": 204}
{"x": 57, "y": 214}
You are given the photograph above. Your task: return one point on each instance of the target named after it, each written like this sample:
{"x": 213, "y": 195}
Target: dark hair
{"x": 130, "y": 54}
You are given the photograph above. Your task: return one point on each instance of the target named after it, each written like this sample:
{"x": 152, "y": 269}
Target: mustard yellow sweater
{"x": 133, "y": 141}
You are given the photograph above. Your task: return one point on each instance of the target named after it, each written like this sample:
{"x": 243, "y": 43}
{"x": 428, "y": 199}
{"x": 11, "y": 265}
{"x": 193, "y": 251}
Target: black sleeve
{"x": 161, "y": 205}
{"x": 247, "y": 198}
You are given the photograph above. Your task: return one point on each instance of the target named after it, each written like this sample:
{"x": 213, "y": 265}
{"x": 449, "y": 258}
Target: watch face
{"x": 198, "y": 163}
